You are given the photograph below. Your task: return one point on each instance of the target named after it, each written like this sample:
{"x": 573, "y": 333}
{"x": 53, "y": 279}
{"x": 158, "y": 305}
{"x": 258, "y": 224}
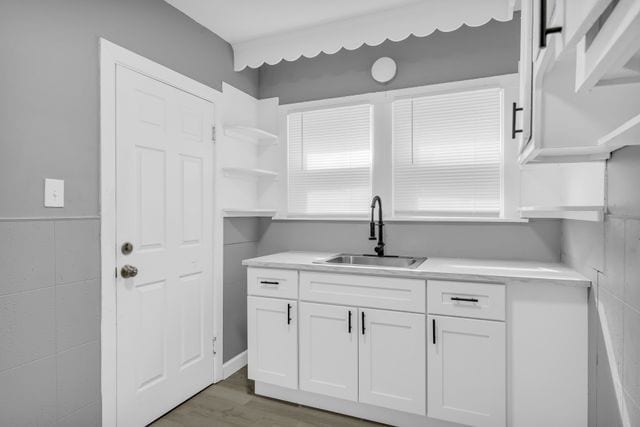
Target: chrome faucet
{"x": 372, "y": 226}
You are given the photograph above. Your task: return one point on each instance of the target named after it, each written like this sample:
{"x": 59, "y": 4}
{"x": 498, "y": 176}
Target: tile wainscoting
{"x": 50, "y": 322}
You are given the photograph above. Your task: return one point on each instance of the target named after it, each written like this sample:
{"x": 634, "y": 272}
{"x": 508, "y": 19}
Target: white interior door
{"x": 164, "y": 195}
{"x": 467, "y": 371}
{"x": 392, "y": 360}
{"x": 272, "y": 336}
{"x": 329, "y": 350}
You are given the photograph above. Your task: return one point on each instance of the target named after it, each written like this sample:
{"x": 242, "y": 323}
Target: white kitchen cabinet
{"x": 484, "y": 368}
{"x": 329, "y": 350}
{"x": 392, "y": 360}
{"x": 272, "y": 334}
{"x": 467, "y": 371}
{"x": 561, "y": 114}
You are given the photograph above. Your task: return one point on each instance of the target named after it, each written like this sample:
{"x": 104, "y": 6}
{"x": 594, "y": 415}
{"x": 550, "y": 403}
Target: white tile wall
{"x": 620, "y": 299}
{"x": 49, "y": 323}
{"x": 618, "y": 294}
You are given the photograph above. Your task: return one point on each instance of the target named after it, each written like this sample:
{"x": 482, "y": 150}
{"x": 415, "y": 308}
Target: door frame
{"x": 112, "y": 55}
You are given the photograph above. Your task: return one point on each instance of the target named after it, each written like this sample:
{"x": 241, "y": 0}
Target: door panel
{"x": 191, "y": 317}
{"x": 467, "y": 371}
{"x": 329, "y": 350}
{"x": 392, "y": 360}
{"x": 164, "y": 197}
{"x": 273, "y": 341}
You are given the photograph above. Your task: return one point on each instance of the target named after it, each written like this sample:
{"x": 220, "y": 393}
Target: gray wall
{"x": 613, "y": 249}
{"x": 466, "y": 53}
{"x": 49, "y": 127}
{"x": 50, "y": 92}
{"x": 537, "y": 240}
{"x": 240, "y": 242}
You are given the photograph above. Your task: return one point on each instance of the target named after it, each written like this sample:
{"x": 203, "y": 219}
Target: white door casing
{"x": 164, "y": 198}
{"x": 272, "y": 336}
{"x": 329, "y": 350}
{"x": 467, "y": 371}
{"x": 392, "y": 360}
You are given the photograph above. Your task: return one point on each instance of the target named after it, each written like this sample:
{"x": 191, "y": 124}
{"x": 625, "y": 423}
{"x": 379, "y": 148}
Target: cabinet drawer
{"x": 363, "y": 291}
{"x": 271, "y": 282}
{"x": 465, "y": 299}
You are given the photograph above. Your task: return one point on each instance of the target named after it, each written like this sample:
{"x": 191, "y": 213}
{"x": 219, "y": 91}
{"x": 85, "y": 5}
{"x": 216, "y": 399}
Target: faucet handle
{"x": 372, "y": 230}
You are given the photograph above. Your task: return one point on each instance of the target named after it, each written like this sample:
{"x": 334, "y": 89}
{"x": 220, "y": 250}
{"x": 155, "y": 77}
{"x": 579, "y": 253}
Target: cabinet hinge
{"x": 213, "y": 345}
{"x": 213, "y": 134}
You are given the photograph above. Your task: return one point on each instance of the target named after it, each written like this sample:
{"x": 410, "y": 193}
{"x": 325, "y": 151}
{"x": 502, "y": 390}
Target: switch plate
{"x": 53, "y": 193}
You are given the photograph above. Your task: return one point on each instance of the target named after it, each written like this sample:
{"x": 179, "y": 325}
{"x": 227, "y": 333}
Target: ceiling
{"x": 242, "y": 20}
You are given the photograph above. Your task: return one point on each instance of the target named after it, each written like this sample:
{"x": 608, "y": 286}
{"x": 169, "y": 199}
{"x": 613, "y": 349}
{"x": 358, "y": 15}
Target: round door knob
{"x": 128, "y": 271}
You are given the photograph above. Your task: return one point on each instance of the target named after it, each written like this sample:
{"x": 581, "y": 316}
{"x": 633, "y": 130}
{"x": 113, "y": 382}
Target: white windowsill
{"x": 407, "y": 219}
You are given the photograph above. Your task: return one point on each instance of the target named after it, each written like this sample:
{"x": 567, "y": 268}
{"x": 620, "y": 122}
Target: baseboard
{"x": 346, "y": 407}
{"x": 232, "y": 366}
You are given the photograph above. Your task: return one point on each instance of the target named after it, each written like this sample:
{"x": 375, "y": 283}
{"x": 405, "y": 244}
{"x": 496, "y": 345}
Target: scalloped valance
{"x": 419, "y": 19}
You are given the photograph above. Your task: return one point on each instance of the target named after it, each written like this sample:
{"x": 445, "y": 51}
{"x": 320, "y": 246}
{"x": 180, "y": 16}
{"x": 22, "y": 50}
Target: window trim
{"x": 382, "y": 167}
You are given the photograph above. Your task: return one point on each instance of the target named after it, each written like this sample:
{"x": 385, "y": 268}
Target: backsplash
{"x": 538, "y": 240}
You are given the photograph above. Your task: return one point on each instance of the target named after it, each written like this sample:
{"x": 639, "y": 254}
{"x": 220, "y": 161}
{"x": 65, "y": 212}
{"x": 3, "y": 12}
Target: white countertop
{"x": 435, "y": 268}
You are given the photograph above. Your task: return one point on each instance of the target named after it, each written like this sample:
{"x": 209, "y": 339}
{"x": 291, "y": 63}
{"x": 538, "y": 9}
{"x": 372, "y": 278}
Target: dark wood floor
{"x": 232, "y": 403}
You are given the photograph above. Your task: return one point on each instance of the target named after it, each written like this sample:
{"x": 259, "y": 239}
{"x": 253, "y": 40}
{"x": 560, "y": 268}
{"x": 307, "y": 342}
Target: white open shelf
{"x": 584, "y": 213}
{"x": 627, "y": 134}
{"x": 240, "y": 213}
{"x": 251, "y": 134}
{"x": 249, "y": 172}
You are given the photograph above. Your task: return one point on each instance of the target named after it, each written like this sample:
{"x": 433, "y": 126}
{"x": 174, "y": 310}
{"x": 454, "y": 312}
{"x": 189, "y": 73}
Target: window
{"x": 432, "y": 153}
{"x": 329, "y": 161}
{"x": 447, "y": 154}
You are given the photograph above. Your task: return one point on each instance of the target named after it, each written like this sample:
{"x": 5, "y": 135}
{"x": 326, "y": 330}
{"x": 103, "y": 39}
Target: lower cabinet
{"x": 467, "y": 371}
{"x": 365, "y": 355}
{"x": 392, "y": 360}
{"x": 329, "y": 350}
{"x": 272, "y": 335}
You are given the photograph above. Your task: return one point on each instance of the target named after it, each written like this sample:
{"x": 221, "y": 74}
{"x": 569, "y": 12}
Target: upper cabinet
{"x": 610, "y": 51}
{"x": 579, "y": 68}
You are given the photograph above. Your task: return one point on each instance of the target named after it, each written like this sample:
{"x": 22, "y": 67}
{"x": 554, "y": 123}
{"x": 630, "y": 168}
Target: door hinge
{"x": 213, "y": 134}
{"x": 213, "y": 345}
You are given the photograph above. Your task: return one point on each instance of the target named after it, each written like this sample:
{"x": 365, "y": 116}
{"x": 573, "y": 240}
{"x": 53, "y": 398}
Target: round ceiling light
{"x": 384, "y": 70}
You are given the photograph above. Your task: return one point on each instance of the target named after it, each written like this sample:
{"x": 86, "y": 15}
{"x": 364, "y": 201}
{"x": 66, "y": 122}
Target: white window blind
{"x": 448, "y": 154}
{"x": 329, "y": 161}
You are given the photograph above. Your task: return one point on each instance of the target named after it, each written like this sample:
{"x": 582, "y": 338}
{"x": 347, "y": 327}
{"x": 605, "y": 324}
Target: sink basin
{"x": 373, "y": 261}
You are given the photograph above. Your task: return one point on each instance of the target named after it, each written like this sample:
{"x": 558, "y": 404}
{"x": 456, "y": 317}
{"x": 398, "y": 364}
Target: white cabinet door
{"x": 392, "y": 360}
{"x": 521, "y": 119}
{"x": 329, "y": 350}
{"x": 467, "y": 371}
{"x": 273, "y": 341}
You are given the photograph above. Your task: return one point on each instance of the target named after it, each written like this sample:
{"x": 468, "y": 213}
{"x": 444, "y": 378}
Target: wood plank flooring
{"x": 232, "y": 403}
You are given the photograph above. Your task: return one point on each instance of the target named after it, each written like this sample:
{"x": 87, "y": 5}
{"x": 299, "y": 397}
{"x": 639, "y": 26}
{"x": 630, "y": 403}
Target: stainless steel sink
{"x": 373, "y": 261}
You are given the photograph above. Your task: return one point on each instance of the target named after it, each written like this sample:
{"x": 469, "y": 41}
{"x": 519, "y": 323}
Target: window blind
{"x": 448, "y": 154}
{"x": 329, "y": 161}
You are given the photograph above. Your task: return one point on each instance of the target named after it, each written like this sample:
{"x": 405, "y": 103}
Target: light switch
{"x": 53, "y": 193}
